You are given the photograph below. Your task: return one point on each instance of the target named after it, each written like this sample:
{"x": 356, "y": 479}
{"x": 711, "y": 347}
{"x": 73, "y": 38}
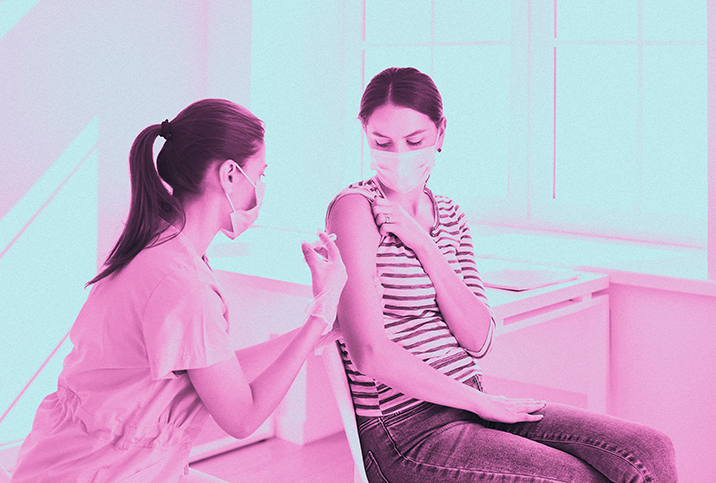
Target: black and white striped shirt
{"x": 410, "y": 310}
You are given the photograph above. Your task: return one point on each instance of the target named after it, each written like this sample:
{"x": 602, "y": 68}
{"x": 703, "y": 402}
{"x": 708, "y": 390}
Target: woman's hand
{"x": 392, "y": 218}
{"x": 504, "y": 409}
{"x": 328, "y": 274}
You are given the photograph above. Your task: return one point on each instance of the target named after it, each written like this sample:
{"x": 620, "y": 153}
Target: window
{"x": 467, "y": 48}
{"x": 570, "y": 116}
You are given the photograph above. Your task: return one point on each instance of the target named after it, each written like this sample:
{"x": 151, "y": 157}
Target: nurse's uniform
{"x": 125, "y": 410}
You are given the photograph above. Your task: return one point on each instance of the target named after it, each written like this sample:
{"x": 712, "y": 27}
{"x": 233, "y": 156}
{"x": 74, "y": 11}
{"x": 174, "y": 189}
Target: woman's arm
{"x": 360, "y": 313}
{"x": 466, "y": 314}
{"x": 257, "y": 358}
{"x": 241, "y": 400}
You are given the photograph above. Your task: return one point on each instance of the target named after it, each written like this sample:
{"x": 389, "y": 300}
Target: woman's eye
{"x": 383, "y": 145}
{"x": 416, "y": 143}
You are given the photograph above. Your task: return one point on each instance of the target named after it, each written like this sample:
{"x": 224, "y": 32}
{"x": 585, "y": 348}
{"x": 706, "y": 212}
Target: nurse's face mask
{"x": 403, "y": 172}
{"x": 241, "y": 220}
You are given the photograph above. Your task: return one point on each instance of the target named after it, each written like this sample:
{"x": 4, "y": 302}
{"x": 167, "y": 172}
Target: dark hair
{"x": 206, "y": 132}
{"x": 402, "y": 86}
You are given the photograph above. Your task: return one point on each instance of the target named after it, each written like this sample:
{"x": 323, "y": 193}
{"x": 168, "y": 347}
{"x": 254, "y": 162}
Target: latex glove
{"x": 328, "y": 276}
{"x": 326, "y": 339}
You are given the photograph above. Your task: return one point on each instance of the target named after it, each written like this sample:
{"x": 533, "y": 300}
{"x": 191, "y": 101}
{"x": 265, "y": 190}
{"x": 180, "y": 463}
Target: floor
{"x": 327, "y": 460}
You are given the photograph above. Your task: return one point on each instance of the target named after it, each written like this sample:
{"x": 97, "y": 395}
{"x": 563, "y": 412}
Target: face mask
{"x": 242, "y": 220}
{"x": 403, "y": 172}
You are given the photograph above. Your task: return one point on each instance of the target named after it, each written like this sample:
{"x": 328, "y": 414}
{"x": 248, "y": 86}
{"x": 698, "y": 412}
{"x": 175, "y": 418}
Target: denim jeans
{"x": 431, "y": 443}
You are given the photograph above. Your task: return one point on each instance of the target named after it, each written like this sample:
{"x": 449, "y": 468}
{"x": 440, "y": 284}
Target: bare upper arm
{"x": 360, "y": 309}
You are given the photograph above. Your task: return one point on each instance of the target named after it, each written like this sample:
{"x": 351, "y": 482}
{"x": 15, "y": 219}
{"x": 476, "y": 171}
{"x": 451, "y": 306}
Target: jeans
{"x": 431, "y": 443}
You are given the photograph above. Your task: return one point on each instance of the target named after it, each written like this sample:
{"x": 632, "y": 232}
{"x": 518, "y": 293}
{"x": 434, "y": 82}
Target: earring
{"x": 440, "y": 150}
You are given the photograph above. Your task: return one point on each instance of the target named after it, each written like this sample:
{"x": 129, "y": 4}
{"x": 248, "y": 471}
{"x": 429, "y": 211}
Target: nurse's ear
{"x": 228, "y": 175}
{"x": 441, "y": 134}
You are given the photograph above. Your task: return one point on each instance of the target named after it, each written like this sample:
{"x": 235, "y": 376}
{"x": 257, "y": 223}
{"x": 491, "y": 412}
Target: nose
{"x": 403, "y": 147}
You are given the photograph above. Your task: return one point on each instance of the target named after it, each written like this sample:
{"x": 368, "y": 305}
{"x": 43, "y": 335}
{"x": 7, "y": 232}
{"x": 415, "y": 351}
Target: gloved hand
{"x": 328, "y": 276}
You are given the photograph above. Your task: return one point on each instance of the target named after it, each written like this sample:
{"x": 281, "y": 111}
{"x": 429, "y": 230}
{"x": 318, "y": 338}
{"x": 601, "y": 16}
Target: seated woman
{"x": 415, "y": 321}
{"x": 152, "y": 357}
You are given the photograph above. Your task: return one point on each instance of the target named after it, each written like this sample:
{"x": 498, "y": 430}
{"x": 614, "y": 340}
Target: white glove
{"x": 328, "y": 275}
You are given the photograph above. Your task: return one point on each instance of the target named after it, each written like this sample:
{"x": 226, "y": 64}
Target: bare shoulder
{"x": 351, "y": 219}
{"x": 352, "y": 215}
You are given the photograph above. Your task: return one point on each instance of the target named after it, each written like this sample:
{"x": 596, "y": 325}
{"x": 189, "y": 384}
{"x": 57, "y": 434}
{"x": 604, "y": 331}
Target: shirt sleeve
{"x": 185, "y": 326}
{"x": 471, "y": 276}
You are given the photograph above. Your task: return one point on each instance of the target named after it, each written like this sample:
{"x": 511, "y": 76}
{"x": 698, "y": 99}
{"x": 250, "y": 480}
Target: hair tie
{"x": 166, "y": 131}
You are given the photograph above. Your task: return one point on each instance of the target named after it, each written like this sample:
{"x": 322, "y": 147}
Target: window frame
{"x": 522, "y": 208}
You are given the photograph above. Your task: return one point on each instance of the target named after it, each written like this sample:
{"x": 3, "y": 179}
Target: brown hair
{"x": 207, "y": 131}
{"x": 402, "y": 86}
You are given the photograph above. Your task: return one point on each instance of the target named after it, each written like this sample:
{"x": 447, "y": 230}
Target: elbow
{"x": 240, "y": 429}
{"x": 240, "y": 425}
{"x": 475, "y": 346}
{"x": 478, "y": 345}
{"x": 365, "y": 357}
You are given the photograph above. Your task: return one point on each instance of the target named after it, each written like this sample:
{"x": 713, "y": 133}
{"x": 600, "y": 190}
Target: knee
{"x": 659, "y": 456}
{"x": 660, "y": 444}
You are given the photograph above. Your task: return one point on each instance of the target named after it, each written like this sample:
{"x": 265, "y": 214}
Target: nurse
{"x": 415, "y": 322}
{"x": 152, "y": 357}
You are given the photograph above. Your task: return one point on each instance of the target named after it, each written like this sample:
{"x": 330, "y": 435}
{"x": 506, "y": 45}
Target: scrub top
{"x": 125, "y": 409}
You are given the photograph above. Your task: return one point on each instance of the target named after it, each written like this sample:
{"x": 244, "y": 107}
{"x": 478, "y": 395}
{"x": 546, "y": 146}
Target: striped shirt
{"x": 411, "y": 315}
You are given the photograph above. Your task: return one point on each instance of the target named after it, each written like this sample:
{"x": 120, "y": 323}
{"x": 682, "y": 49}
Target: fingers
{"x": 528, "y": 408}
{"x": 309, "y": 254}
{"x": 382, "y": 219}
{"x": 526, "y": 405}
{"x": 531, "y": 418}
{"x": 382, "y": 209}
{"x": 324, "y": 246}
{"x": 328, "y": 240}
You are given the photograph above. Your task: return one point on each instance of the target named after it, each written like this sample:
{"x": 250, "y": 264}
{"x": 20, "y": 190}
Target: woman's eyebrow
{"x": 419, "y": 131}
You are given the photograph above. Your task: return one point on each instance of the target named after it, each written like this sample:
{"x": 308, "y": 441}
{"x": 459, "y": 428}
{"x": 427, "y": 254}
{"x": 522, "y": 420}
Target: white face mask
{"x": 242, "y": 220}
{"x": 403, "y": 172}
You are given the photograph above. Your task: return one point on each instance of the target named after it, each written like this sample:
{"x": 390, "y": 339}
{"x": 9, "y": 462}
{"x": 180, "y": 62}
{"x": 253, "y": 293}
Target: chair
{"x": 339, "y": 384}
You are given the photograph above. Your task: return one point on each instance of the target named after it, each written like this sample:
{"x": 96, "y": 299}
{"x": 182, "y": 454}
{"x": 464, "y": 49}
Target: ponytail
{"x": 206, "y": 132}
{"x": 151, "y": 205}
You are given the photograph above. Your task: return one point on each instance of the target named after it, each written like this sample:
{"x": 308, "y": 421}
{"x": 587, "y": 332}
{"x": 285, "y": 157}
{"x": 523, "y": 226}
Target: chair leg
{"x": 357, "y": 477}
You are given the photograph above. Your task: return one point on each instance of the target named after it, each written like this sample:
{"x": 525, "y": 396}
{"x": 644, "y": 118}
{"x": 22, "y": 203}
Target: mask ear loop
{"x": 242, "y": 172}
{"x": 230, "y": 202}
{"x": 227, "y": 194}
{"x": 245, "y": 176}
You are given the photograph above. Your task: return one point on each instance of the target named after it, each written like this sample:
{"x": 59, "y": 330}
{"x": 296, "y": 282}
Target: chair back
{"x": 339, "y": 384}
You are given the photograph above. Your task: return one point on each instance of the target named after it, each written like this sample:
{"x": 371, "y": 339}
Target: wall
{"x": 78, "y": 81}
{"x": 130, "y": 65}
{"x": 662, "y": 370}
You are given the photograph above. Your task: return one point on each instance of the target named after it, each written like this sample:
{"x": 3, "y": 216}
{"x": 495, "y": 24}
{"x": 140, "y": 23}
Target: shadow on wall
{"x": 48, "y": 251}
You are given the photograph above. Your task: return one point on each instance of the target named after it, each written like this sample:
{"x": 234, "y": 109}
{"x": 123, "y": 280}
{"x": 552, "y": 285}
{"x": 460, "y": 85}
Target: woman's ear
{"x": 441, "y": 133}
{"x": 227, "y": 174}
